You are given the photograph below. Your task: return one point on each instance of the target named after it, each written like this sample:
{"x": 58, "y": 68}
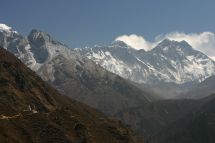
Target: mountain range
{"x": 72, "y": 74}
{"x": 169, "y": 61}
{"x": 169, "y": 65}
{"x": 141, "y": 88}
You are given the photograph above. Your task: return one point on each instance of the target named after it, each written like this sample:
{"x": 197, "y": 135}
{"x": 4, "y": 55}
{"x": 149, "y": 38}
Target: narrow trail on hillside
{"x": 3, "y": 117}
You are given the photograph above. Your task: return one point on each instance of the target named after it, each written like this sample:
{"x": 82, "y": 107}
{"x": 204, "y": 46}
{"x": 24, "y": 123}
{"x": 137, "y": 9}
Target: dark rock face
{"x": 37, "y": 41}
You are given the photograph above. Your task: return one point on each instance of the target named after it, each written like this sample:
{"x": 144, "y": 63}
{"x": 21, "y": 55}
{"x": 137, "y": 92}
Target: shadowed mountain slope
{"x": 201, "y": 90}
{"x": 197, "y": 127}
{"x": 150, "y": 119}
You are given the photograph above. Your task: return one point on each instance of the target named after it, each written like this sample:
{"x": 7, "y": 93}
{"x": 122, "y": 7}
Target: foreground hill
{"x": 32, "y": 111}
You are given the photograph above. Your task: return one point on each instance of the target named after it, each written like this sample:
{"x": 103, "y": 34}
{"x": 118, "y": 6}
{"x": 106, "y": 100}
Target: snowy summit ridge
{"x": 169, "y": 61}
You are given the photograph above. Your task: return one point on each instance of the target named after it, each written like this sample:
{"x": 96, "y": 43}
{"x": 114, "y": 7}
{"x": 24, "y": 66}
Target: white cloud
{"x": 135, "y": 41}
{"x": 204, "y": 42}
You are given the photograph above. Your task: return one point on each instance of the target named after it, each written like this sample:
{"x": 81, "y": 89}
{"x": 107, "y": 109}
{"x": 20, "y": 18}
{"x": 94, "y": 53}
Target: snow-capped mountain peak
{"x": 44, "y": 47}
{"x": 120, "y": 44}
{"x": 166, "y": 44}
{"x": 39, "y": 51}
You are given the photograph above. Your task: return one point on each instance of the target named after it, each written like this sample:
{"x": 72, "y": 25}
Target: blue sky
{"x": 87, "y": 22}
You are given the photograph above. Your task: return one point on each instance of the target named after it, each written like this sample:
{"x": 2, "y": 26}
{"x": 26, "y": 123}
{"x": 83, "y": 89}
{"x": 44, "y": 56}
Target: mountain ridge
{"x": 169, "y": 61}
